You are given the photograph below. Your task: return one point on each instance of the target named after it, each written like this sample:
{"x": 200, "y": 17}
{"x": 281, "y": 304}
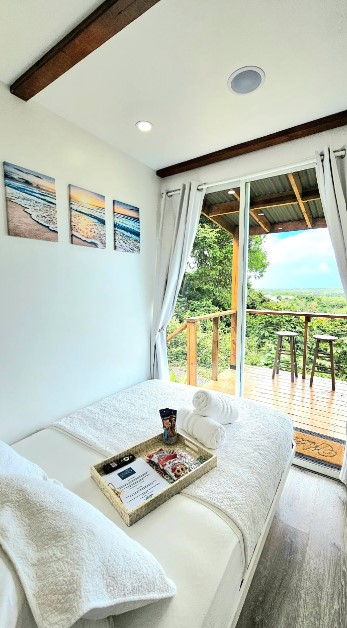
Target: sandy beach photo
{"x": 126, "y": 227}
{"x": 21, "y": 224}
{"x": 75, "y": 240}
{"x": 87, "y": 218}
{"x": 30, "y": 203}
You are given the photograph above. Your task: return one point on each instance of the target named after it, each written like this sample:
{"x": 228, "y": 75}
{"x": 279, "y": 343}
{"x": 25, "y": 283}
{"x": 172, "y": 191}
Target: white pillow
{"x": 91, "y": 568}
{"x": 13, "y": 463}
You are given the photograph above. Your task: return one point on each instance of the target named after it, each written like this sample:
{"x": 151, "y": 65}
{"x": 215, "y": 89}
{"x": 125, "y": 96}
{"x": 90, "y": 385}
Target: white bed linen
{"x": 251, "y": 460}
{"x": 12, "y": 596}
{"x": 198, "y": 549}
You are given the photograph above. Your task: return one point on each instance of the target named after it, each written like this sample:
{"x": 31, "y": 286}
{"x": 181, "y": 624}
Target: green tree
{"x": 207, "y": 288}
{"x": 207, "y": 282}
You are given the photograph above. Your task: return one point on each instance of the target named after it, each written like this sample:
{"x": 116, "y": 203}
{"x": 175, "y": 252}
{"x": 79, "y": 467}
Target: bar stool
{"x": 291, "y": 335}
{"x": 325, "y": 355}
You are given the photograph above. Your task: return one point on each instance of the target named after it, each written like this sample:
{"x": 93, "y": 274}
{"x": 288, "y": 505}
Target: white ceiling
{"x": 171, "y": 67}
{"x": 28, "y": 28}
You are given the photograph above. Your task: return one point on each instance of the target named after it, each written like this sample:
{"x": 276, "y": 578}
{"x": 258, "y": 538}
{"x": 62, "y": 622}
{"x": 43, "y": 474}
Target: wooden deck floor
{"x": 318, "y": 409}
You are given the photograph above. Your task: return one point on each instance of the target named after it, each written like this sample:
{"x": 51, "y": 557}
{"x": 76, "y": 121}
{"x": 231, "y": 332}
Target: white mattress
{"x": 198, "y": 549}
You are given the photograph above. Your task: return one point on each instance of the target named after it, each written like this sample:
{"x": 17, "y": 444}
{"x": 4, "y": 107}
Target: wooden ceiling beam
{"x": 262, "y": 202}
{"x": 261, "y": 220}
{"x": 236, "y": 195}
{"x": 310, "y": 195}
{"x": 283, "y": 198}
{"x": 286, "y": 135}
{"x": 292, "y": 225}
{"x": 297, "y": 189}
{"x": 105, "y": 22}
{"x": 220, "y": 209}
{"x": 220, "y": 221}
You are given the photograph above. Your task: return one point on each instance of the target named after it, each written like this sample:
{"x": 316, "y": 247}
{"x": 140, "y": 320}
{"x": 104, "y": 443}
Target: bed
{"x": 197, "y": 543}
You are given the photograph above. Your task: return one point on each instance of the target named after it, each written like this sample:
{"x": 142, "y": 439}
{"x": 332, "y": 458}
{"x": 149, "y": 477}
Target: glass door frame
{"x": 244, "y": 213}
{"x": 244, "y": 183}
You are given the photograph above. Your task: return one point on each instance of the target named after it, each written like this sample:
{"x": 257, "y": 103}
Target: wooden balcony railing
{"x": 191, "y": 326}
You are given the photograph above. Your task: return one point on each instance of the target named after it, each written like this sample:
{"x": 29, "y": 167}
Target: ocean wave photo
{"x": 126, "y": 227}
{"x": 87, "y": 218}
{"x": 31, "y": 203}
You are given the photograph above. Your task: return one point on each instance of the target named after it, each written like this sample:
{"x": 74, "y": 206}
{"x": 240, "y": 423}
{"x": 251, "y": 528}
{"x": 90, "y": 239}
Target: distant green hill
{"x": 317, "y": 292}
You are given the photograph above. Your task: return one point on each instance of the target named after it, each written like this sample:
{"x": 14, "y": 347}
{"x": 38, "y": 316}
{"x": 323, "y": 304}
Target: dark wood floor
{"x": 301, "y": 578}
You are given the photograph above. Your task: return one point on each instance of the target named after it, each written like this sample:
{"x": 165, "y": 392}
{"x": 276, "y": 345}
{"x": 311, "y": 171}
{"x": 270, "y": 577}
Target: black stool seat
{"x": 291, "y": 335}
{"x": 324, "y": 355}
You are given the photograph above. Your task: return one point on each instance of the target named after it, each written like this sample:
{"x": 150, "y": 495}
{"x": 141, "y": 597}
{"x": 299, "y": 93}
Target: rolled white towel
{"x": 209, "y": 432}
{"x": 212, "y": 404}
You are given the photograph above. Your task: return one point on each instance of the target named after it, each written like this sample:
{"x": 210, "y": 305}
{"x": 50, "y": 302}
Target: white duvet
{"x": 251, "y": 460}
{"x": 71, "y": 561}
{"x": 257, "y": 448}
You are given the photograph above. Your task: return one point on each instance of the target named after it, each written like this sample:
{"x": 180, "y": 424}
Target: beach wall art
{"x": 87, "y": 218}
{"x": 30, "y": 203}
{"x": 126, "y": 227}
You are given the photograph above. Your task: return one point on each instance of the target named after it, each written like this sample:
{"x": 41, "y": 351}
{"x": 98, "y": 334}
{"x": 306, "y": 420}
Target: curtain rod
{"x": 171, "y": 192}
{"x": 204, "y": 186}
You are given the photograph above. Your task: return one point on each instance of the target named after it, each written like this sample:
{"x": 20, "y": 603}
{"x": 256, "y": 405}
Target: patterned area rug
{"x": 319, "y": 448}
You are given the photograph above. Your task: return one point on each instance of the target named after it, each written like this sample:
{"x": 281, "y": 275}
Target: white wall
{"x": 74, "y": 321}
{"x": 260, "y": 161}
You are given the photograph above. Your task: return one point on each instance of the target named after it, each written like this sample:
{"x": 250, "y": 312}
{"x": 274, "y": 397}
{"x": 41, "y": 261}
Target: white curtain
{"x": 178, "y": 224}
{"x": 332, "y": 183}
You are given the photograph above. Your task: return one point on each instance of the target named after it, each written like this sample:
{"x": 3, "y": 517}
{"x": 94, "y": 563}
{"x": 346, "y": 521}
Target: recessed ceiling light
{"x": 246, "y": 80}
{"x": 261, "y": 214}
{"x": 280, "y": 228}
{"x": 144, "y": 126}
{"x": 231, "y": 191}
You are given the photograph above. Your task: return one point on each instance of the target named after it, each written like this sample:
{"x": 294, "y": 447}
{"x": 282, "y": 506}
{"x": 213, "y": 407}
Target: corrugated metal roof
{"x": 283, "y": 213}
{"x": 220, "y": 197}
{"x": 272, "y": 186}
{"x": 308, "y": 179}
{"x": 316, "y": 208}
{"x": 233, "y": 220}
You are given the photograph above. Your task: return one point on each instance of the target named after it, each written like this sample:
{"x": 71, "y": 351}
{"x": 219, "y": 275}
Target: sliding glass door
{"x": 261, "y": 312}
{"x": 203, "y": 336}
{"x": 242, "y": 272}
{"x": 292, "y": 313}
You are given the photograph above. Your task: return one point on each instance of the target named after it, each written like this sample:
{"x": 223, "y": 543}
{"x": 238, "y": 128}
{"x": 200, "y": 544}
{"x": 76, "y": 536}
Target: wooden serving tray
{"x": 140, "y": 451}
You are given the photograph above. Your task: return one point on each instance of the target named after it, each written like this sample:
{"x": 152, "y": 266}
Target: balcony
{"x": 316, "y": 409}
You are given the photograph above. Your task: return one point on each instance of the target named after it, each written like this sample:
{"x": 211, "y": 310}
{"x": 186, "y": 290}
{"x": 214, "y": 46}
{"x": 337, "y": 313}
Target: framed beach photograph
{"x": 87, "y": 218}
{"x": 30, "y": 203}
{"x": 126, "y": 227}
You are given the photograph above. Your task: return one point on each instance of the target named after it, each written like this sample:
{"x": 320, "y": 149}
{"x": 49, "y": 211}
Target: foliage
{"x": 257, "y": 258}
{"x": 207, "y": 282}
{"x": 263, "y": 328}
{"x": 207, "y": 288}
{"x": 206, "y": 285}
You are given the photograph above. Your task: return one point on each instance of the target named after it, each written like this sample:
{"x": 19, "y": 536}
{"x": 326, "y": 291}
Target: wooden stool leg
{"x": 314, "y": 362}
{"x": 291, "y": 349}
{"x": 295, "y": 361}
{"x": 279, "y": 356}
{"x": 276, "y": 357}
{"x": 332, "y": 367}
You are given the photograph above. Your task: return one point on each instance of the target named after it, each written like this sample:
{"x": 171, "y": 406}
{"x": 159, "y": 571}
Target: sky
{"x": 80, "y": 195}
{"x": 299, "y": 260}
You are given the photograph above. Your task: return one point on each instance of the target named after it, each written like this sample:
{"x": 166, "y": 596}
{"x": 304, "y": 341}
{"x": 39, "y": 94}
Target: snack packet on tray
{"x": 174, "y": 464}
